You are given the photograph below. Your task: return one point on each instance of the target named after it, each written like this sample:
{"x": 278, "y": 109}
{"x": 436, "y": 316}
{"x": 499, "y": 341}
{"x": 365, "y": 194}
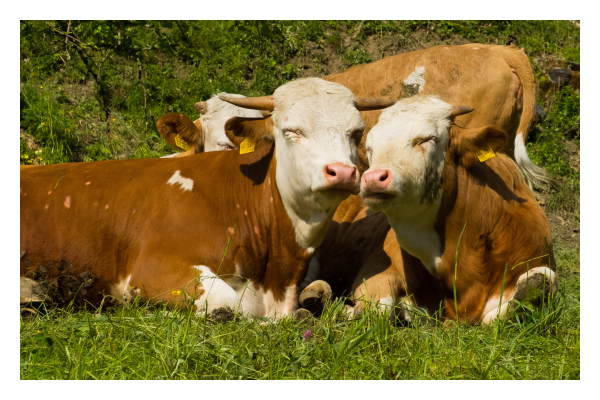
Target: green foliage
{"x": 43, "y": 117}
{"x": 162, "y": 66}
{"x": 355, "y": 57}
{"x": 547, "y": 147}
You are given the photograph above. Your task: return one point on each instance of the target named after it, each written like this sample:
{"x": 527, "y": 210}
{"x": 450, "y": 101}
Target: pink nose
{"x": 376, "y": 181}
{"x": 341, "y": 176}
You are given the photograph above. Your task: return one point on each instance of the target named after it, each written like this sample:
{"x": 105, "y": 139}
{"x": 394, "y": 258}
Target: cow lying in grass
{"x": 214, "y": 231}
{"x": 443, "y": 191}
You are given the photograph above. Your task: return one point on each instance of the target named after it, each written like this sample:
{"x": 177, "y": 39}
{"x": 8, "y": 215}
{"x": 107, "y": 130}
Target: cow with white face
{"x": 206, "y": 133}
{"x": 460, "y": 207}
{"x": 241, "y": 242}
{"x": 316, "y": 128}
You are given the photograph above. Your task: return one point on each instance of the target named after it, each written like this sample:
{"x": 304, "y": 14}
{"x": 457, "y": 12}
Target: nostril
{"x": 383, "y": 177}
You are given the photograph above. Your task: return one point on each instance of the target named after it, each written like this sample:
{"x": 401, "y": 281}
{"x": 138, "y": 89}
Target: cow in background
{"x": 241, "y": 242}
{"x": 497, "y": 81}
{"x": 206, "y": 133}
{"x": 443, "y": 189}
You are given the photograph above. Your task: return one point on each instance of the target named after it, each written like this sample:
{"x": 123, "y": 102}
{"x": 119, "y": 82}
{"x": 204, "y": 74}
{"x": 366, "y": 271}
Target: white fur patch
{"x": 120, "y": 290}
{"x": 417, "y": 78}
{"x": 170, "y": 155}
{"x": 241, "y": 296}
{"x": 533, "y": 173}
{"x": 186, "y": 183}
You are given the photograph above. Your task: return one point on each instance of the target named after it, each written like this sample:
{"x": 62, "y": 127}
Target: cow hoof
{"x": 28, "y": 312}
{"x": 222, "y": 314}
{"x": 534, "y": 287}
{"x": 315, "y": 296}
{"x": 303, "y": 314}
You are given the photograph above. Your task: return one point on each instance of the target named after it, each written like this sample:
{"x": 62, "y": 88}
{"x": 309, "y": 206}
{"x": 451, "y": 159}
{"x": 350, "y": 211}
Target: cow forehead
{"x": 416, "y": 116}
{"x": 220, "y": 111}
{"x": 318, "y": 101}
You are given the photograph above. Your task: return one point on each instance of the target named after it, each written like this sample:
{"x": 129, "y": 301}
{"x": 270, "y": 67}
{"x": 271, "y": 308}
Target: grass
{"x": 147, "y": 342}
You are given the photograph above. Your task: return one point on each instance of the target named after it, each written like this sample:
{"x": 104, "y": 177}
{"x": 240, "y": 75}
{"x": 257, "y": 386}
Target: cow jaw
{"x": 315, "y": 122}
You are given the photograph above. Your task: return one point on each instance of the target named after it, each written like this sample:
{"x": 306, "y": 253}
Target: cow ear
{"x": 181, "y": 133}
{"x": 239, "y": 128}
{"x": 466, "y": 143}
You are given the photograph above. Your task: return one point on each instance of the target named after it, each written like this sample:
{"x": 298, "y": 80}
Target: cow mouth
{"x": 377, "y": 200}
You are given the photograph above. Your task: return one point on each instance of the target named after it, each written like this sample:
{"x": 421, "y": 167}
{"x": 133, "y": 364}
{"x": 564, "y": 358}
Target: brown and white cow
{"x": 206, "y": 133}
{"x": 425, "y": 185}
{"x": 215, "y": 230}
{"x": 497, "y": 81}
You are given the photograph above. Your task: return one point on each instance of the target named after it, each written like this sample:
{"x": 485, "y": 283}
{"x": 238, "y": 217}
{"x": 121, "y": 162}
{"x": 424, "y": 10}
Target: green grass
{"x": 146, "y": 342}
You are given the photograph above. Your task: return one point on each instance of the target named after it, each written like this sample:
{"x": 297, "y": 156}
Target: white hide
{"x": 241, "y": 297}
{"x": 186, "y": 183}
{"x": 494, "y": 310}
{"x": 533, "y": 173}
{"x": 417, "y": 78}
{"x": 314, "y": 121}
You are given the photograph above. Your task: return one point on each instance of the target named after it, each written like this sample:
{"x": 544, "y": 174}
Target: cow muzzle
{"x": 341, "y": 177}
{"x": 376, "y": 182}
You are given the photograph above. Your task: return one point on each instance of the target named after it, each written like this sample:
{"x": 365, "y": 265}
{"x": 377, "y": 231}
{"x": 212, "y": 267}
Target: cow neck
{"x": 482, "y": 199}
{"x": 416, "y": 234}
{"x": 286, "y": 260}
{"x": 309, "y": 223}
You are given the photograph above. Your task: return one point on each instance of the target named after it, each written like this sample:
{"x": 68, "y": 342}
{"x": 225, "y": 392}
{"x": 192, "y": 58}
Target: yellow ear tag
{"x": 180, "y": 142}
{"x": 485, "y": 154}
{"x": 247, "y": 146}
{"x": 176, "y": 292}
{"x": 131, "y": 287}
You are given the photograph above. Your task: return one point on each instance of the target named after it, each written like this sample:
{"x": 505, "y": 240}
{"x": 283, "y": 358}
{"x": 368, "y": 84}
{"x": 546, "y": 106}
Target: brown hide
{"x": 505, "y": 225}
{"x": 121, "y": 218}
{"x": 360, "y": 254}
{"x": 497, "y": 81}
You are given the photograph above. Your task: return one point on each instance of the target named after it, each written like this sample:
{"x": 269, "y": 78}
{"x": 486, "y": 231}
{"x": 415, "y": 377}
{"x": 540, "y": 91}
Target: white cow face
{"x": 316, "y": 130}
{"x": 406, "y": 151}
{"x": 213, "y": 121}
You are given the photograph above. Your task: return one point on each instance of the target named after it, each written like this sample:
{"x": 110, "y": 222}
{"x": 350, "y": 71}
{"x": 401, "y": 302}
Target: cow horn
{"x": 459, "y": 110}
{"x": 266, "y": 103}
{"x": 202, "y": 107}
{"x": 373, "y": 103}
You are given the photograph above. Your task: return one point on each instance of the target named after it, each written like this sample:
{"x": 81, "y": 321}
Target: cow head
{"x": 407, "y": 150}
{"x": 207, "y": 133}
{"x": 316, "y": 127}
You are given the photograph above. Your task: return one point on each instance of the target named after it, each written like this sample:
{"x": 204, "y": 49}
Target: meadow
{"x": 93, "y": 90}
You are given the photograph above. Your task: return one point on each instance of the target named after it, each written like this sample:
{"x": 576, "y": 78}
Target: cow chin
{"x": 378, "y": 201}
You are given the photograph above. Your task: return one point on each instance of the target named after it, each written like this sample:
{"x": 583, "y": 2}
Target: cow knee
{"x": 536, "y": 285}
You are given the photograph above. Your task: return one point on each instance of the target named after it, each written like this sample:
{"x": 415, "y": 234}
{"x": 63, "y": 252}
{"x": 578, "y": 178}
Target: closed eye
{"x": 423, "y": 139}
{"x": 293, "y": 133}
{"x": 225, "y": 146}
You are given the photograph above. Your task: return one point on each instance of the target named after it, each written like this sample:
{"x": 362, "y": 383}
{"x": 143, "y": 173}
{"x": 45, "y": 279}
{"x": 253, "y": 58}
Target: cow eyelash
{"x": 422, "y": 140}
{"x": 292, "y": 133}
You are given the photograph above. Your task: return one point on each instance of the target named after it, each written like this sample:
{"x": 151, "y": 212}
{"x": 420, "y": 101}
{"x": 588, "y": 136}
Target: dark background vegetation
{"x": 93, "y": 90}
